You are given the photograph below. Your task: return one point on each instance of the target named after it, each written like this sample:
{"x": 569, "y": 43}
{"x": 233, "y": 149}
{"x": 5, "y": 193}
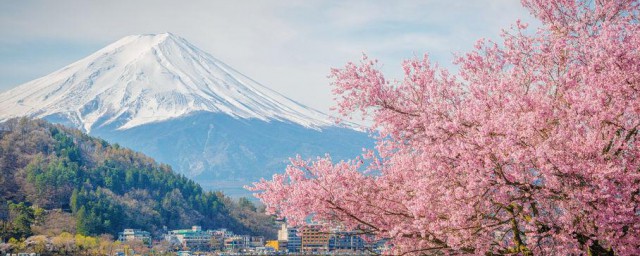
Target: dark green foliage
{"x": 21, "y": 218}
{"x": 97, "y": 212}
{"x": 52, "y": 181}
{"x": 108, "y": 188}
{"x": 65, "y": 147}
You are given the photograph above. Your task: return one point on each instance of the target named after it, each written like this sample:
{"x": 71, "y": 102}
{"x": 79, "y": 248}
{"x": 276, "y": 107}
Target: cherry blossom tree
{"x": 531, "y": 147}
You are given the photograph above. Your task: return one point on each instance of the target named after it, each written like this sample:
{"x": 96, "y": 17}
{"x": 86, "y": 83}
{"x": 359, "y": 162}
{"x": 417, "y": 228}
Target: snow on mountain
{"x": 144, "y": 79}
{"x": 162, "y": 96}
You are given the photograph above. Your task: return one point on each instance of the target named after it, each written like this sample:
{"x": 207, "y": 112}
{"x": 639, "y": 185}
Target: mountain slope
{"x": 224, "y": 153}
{"x": 107, "y": 188}
{"x": 150, "y": 78}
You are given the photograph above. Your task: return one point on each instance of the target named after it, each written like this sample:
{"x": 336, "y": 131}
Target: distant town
{"x": 310, "y": 239}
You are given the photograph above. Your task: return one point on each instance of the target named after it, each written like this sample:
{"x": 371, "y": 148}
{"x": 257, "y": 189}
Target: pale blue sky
{"x": 286, "y": 45}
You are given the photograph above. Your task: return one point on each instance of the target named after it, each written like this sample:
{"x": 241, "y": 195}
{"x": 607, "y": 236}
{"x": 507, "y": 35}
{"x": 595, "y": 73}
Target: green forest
{"x": 55, "y": 179}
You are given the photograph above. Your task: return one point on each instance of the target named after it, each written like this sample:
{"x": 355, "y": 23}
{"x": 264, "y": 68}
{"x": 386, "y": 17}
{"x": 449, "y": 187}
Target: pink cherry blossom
{"x": 531, "y": 147}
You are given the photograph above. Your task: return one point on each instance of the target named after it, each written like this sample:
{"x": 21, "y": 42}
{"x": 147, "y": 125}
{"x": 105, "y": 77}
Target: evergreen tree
{"x": 22, "y": 216}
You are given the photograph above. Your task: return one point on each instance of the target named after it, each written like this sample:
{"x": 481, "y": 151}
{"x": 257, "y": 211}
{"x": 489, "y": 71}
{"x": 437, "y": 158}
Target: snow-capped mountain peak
{"x": 150, "y": 78}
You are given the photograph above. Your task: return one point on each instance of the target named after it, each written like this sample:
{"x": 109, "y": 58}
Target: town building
{"x": 294, "y": 242}
{"x": 254, "y": 241}
{"x": 129, "y": 235}
{"x": 234, "y": 243}
{"x": 222, "y": 232}
{"x": 283, "y": 232}
{"x": 274, "y": 244}
{"x": 194, "y": 238}
{"x": 313, "y": 239}
{"x": 346, "y": 241}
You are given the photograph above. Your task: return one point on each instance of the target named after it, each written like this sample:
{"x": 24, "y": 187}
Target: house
{"x": 194, "y": 238}
{"x": 129, "y": 235}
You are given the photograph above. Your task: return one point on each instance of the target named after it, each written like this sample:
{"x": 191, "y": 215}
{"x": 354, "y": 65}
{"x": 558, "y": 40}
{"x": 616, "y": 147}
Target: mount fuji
{"x": 161, "y": 95}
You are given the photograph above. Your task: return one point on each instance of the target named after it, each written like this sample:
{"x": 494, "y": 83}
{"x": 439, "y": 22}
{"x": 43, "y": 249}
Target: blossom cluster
{"x": 531, "y": 147}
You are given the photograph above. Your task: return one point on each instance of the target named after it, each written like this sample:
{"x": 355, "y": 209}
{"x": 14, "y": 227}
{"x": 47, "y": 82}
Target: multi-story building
{"x": 222, "y": 232}
{"x": 346, "y": 241}
{"x": 254, "y": 241}
{"x": 218, "y": 237}
{"x": 234, "y": 243}
{"x": 314, "y": 239}
{"x": 283, "y": 232}
{"x": 194, "y": 238}
{"x": 294, "y": 242}
{"x": 129, "y": 235}
{"x": 305, "y": 239}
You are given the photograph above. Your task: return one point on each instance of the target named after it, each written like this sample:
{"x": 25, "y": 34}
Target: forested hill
{"x": 104, "y": 188}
